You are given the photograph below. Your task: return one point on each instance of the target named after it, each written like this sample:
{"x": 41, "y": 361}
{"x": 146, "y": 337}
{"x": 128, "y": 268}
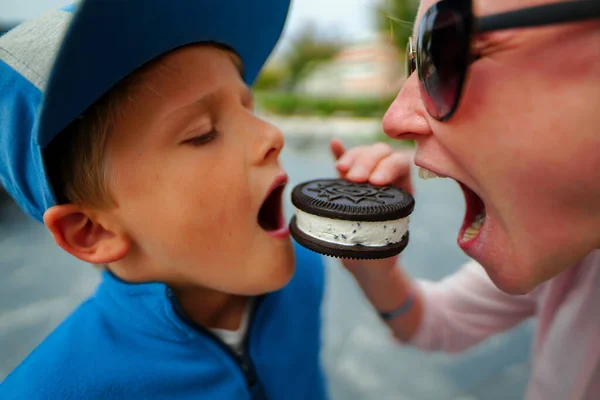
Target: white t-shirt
{"x": 235, "y": 339}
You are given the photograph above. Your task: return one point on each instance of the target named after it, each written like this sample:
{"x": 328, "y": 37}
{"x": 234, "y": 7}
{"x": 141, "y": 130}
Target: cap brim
{"x": 109, "y": 39}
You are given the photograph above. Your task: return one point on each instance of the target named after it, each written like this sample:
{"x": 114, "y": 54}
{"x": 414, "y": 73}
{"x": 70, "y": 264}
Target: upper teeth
{"x": 427, "y": 174}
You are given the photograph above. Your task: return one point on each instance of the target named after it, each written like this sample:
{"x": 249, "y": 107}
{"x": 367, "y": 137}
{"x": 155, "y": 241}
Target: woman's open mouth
{"x": 474, "y": 216}
{"x": 270, "y": 215}
{"x": 475, "y": 212}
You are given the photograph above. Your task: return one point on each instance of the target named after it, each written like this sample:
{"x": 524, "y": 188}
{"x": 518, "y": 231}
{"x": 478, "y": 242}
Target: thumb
{"x": 337, "y": 148}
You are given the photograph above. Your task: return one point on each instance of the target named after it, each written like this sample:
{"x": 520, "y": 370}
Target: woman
{"x": 508, "y": 105}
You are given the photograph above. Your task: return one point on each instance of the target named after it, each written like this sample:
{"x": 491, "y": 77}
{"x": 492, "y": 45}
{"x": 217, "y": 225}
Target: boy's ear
{"x": 81, "y": 235}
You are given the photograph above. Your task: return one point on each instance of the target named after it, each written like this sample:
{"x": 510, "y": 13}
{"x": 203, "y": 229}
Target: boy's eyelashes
{"x": 202, "y": 139}
{"x": 206, "y": 138}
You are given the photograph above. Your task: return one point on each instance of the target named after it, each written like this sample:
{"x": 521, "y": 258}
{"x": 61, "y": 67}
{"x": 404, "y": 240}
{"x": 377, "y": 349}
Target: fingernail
{"x": 379, "y": 176}
{"x": 342, "y": 164}
{"x": 358, "y": 172}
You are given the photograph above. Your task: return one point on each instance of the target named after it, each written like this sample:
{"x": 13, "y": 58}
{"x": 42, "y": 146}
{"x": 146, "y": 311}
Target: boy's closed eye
{"x": 202, "y": 139}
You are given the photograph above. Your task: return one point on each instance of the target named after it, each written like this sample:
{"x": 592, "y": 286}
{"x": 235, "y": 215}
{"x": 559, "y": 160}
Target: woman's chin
{"x": 511, "y": 282}
{"x": 495, "y": 252}
{"x": 512, "y": 271}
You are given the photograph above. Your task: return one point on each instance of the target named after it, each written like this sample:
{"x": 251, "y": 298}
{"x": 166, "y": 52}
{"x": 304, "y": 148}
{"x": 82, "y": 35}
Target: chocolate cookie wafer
{"x": 344, "y": 219}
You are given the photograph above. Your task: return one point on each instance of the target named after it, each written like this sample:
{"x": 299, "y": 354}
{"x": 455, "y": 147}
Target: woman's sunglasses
{"x": 442, "y": 53}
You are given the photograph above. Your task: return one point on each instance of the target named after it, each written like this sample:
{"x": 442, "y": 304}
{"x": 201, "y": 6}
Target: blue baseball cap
{"x": 54, "y": 67}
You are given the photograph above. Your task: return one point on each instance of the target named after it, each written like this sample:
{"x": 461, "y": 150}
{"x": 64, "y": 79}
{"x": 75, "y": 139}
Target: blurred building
{"x": 370, "y": 68}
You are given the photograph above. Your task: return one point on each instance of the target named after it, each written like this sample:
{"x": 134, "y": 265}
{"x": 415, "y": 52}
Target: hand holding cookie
{"x": 362, "y": 216}
{"x": 377, "y": 164}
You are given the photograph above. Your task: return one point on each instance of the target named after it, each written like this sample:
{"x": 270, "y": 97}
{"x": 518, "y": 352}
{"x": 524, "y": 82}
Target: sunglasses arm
{"x": 548, "y": 14}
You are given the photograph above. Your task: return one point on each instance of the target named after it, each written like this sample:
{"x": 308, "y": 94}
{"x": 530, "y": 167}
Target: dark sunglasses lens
{"x": 442, "y": 57}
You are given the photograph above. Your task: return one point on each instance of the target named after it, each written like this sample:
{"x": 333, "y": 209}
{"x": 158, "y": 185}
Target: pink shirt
{"x": 466, "y": 308}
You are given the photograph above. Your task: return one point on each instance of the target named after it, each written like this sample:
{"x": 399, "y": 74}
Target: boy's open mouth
{"x": 270, "y": 215}
{"x": 474, "y": 214}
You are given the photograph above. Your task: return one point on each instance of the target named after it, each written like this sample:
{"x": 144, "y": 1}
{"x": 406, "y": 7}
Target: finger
{"x": 391, "y": 169}
{"x": 348, "y": 159}
{"x": 366, "y": 162}
{"x": 337, "y": 148}
{"x": 403, "y": 182}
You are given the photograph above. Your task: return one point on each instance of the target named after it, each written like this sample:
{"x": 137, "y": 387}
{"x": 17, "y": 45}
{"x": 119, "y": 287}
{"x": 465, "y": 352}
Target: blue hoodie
{"x": 127, "y": 341}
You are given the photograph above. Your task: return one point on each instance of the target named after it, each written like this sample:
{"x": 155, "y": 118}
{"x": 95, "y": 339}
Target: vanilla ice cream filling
{"x": 350, "y": 233}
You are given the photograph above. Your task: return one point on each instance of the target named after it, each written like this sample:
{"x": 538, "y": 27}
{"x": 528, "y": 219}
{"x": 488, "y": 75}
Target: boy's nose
{"x": 406, "y": 117}
{"x": 268, "y": 144}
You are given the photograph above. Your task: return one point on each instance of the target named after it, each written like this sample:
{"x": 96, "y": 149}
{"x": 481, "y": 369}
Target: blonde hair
{"x": 76, "y": 159}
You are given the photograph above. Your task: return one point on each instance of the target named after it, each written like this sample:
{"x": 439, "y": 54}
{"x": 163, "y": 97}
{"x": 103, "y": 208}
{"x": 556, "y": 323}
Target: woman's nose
{"x": 406, "y": 118}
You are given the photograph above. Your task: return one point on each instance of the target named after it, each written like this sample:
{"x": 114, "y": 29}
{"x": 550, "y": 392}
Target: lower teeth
{"x": 475, "y": 227}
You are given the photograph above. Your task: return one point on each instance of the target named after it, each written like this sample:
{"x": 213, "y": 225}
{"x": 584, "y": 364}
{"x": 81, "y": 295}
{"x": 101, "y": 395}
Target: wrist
{"x": 373, "y": 270}
{"x": 405, "y": 306}
{"x": 390, "y": 278}
{"x": 386, "y": 288}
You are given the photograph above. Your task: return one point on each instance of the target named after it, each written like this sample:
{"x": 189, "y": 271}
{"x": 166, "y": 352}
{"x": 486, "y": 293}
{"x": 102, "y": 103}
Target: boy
{"x": 168, "y": 177}
{"x": 145, "y": 157}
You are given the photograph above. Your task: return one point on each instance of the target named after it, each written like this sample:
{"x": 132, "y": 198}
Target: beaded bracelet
{"x": 406, "y": 305}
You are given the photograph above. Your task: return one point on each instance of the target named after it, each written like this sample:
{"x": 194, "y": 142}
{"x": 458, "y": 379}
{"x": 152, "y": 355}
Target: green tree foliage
{"x": 308, "y": 49}
{"x": 271, "y": 78}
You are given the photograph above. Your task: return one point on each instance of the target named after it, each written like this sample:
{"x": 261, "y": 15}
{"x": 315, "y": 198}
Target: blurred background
{"x": 334, "y": 73}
